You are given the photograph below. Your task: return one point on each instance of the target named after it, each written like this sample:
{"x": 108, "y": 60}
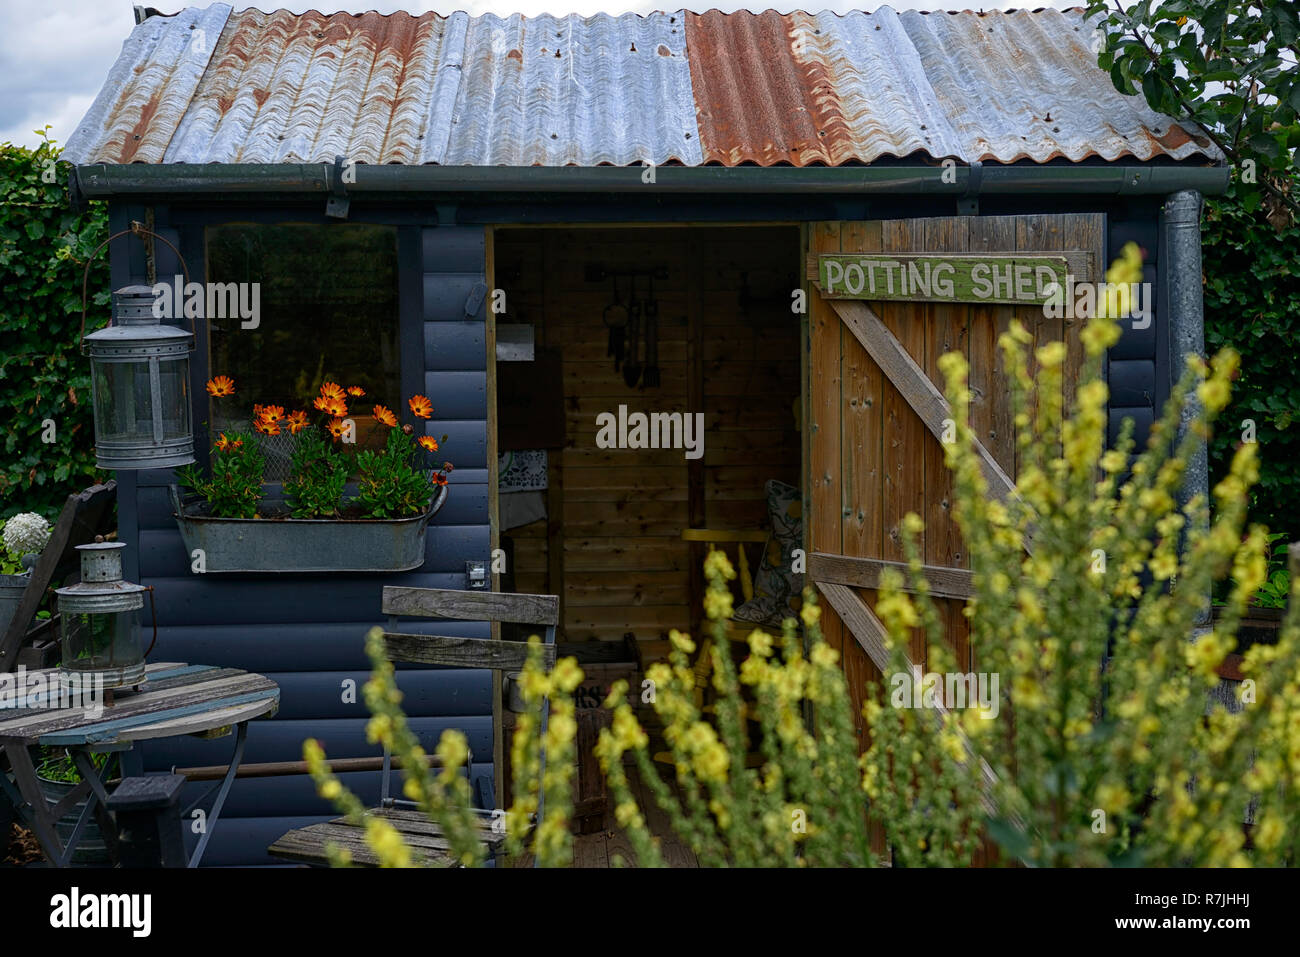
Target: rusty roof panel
{"x": 827, "y": 88}
{"x": 811, "y": 88}
{"x": 1019, "y": 85}
{"x": 287, "y": 87}
{"x": 148, "y": 89}
{"x": 766, "y": 88}
{"x": 555, "y": 91}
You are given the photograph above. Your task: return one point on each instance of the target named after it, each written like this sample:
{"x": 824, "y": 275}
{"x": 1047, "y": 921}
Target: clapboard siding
{"x": 451, "y": 345}
{"x": 296, "y": 795}
{"x": 456, "y": 395}
{"x": 262, "y": 647}
{"x": 307, "y": 631}
{"x": 282, "y": 741}
{"x": 1134, "y": 365}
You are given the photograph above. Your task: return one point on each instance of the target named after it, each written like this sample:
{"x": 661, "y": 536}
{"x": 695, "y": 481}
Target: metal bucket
{"x": 91, "y": 850}
{"x": 11, "y": 595}
{"x": 305, "y": 544}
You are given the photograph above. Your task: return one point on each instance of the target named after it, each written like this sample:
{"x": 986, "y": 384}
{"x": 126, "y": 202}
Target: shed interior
{"x": 609, "y": 540}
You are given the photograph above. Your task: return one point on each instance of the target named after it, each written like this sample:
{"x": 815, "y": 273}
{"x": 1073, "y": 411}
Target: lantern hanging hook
{"x": 136, "y": 228}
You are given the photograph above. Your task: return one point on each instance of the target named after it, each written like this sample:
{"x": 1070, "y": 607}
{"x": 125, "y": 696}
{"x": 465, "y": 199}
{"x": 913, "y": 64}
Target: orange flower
{"x": 356, "y": 390}
{"x": 273, "y": 413}
{"x": 337, "y": 428}
{"x": 221, "y": 385}
{"x": 440, "y": 479}
{"x": 332, "y": 405}
{"x": 385, "y": 415}
{"x": 223, "y": 444}
{"x": 332, "y": 390}
{"x": 421, "y": 406}
{"x": 266, "y": 426}
{"x": 297, "y": 421}
{"x": 428, "y": 442}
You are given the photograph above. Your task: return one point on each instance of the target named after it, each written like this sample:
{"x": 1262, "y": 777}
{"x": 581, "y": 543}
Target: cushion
{"x": 777, "y": 589}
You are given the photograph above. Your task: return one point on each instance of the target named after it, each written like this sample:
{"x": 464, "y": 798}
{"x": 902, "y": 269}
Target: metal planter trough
{"x": 285, "y": 545}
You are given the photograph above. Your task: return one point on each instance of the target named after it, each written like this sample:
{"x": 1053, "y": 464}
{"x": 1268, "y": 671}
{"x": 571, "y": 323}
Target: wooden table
{"x": 176, "y": 699}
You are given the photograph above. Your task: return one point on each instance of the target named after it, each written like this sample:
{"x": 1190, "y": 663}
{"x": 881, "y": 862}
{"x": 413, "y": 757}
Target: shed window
{"x": 327, "y": 312}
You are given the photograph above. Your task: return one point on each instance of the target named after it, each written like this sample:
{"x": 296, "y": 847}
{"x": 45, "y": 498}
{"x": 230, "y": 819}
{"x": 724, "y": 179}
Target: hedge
{"x": 44, "y": 380}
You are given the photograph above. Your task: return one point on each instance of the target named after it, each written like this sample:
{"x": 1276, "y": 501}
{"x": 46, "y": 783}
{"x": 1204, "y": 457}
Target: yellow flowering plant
{"x": 1091, "y": 586}
{"x": 802, "y": 804}
{"x": 444, "y": 796}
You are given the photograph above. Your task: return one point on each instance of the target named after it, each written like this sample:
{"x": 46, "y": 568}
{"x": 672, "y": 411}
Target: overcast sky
{"x": 54, "y": 54}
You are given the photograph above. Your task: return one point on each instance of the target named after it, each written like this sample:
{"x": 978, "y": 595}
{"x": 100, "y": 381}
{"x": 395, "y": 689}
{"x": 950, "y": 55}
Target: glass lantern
{"x": 100, "y": 618}
{"x": 140, "y": 385}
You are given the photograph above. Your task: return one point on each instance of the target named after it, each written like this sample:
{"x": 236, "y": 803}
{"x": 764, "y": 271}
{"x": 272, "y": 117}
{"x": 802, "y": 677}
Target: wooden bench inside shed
{"x": 426, "y": 839}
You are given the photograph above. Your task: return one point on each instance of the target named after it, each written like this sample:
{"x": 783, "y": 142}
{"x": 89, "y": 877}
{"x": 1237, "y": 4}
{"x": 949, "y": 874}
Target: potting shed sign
{"x": 917, "y": 277}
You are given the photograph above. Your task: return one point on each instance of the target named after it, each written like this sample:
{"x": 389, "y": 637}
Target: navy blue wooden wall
{"x": 306, "y": 631}
{"x": 1138, "y": 365}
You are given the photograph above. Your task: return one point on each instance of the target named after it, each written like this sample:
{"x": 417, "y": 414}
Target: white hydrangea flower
{"x": 25, "y": 533}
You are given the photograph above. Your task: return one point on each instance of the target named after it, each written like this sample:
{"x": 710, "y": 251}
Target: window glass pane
{"x": 327, "y": 311}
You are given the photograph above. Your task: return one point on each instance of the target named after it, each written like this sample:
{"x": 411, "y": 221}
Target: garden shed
{"x": 669, "y": 280}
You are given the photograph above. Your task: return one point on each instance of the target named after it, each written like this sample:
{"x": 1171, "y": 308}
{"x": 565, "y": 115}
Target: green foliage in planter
{"x": 234, "y": 485}
{"x": 57, "y": 766}
{"x": 390, "y": 484}
{"x": 43, "y": 251}
{"x": 317, "y": 474}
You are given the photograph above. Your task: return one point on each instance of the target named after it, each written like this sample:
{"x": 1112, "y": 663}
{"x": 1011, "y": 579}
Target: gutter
{"x": 158, "y": 180}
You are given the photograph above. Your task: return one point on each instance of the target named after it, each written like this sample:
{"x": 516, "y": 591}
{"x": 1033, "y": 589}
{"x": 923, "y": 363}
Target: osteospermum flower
{"x": 440, "y": 479}
{"x": 385, "y": 415}
{"x": 428, "y": 443}
{"x": 224, "y": 444}
{"x": 337, "y": 427}
{"x": 221, "y": 385}
{"x": 297, "y": 421}
{"x": 332, "y": 405}
{"x": 421, "y": 406}
{"x": 273, "y": 413}
{"x": 332, "y": 390}
{"x": 26, "y": 533}
{"x": 356, "y": 390}
{"x": 266, "y": 426}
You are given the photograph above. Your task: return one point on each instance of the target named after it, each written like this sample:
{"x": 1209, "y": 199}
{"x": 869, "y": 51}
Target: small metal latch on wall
{"x": 477, "y": 293}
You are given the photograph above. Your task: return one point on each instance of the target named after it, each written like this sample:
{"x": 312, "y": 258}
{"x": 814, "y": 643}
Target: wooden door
{"x": 875, "y": 411}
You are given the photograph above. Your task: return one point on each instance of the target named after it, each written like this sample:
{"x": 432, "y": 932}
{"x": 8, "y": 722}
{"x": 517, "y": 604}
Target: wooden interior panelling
{"x": 616, "y": 556}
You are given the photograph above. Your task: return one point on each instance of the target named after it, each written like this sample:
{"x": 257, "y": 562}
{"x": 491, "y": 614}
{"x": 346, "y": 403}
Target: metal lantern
{"x": 101, "y": 620}
{"x": 140, "y": 384}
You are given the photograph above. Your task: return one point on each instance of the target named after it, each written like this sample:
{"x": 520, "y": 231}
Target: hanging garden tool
{"x": 651, "y": 380}
{"x": 615, "y": 319}
{"x": 632, "y": 366}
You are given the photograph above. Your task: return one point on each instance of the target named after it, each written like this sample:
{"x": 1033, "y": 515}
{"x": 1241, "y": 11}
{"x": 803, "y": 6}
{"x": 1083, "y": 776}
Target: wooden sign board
{"x": 918, "y": 277}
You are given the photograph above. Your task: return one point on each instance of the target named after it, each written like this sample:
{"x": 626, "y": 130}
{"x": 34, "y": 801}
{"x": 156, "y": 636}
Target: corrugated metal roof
{"x": 766, "y": 88}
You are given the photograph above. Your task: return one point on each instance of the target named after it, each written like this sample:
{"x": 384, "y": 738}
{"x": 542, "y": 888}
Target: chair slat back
{"x": 464, "y": 652}
{"x": 472, "y": 605}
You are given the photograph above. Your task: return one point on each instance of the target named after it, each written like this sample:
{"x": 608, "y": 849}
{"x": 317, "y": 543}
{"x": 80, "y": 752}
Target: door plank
{"x": 912, "y": 383}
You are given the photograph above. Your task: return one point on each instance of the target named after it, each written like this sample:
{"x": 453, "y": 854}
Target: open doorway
{"x": 638, "y": 336}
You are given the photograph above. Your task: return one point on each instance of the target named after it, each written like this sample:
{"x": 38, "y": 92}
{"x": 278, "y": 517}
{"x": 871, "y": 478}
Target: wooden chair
{"x": 425, "y": 837}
